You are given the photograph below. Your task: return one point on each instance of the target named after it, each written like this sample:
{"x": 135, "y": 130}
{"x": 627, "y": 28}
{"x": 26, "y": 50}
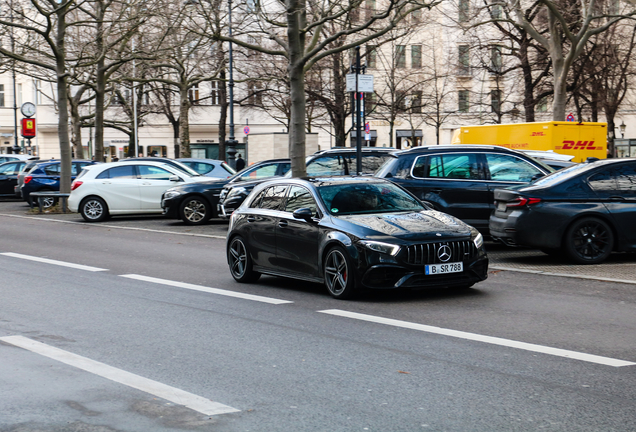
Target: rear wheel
{"x": 240, "y": 262}
{"x": 589, "y": 241}
{"x": 195, "y": 211}
{"x": 339, "y": 278}
{"x": 94, "y": 209}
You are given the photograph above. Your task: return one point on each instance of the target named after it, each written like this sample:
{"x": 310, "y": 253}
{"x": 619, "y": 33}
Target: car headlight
{"x": 236, "y": 192}
{"x": 386, "y": 248}
{"x": 171, "y": 194}
{"x": 478, "y": 240}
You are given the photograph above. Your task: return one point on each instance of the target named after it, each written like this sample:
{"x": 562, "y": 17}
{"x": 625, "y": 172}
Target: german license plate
{"x": 435, "y": 269}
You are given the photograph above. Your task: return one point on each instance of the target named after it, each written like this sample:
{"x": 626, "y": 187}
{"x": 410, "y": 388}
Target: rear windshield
{"x": 561, "y": 175}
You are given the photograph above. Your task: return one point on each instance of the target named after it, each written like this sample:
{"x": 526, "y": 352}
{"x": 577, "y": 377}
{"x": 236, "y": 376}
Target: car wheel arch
{"x": 87, "y": 197}
{"x": 336, "y": 238}
{"x": 605, "y": 218}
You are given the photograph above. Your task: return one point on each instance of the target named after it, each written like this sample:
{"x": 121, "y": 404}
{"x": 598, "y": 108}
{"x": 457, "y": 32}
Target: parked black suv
{"x": 325, "y": 163}
{"x": 196, "y": 203}
{"x": 460, "y": 179}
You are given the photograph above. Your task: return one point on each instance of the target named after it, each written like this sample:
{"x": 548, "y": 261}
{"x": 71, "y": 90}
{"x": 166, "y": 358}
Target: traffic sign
{"x": 365, "y": 83}
{"x": 246, "y": 130}
{"x": 367, "y": 128}
{"x": 570, "y": 117}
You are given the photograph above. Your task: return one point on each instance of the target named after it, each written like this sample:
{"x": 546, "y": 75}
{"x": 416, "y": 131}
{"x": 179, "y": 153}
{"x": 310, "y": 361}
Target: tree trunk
{"x": 184, "y": 123}
{"x": 296, "y": 20}
{"x": 560, "y": 94}
{"x": 62, "y": 101}
{"x": 100, "y": 90}
{"x": 77, "y": 131}
{"x": 528, "y": 90}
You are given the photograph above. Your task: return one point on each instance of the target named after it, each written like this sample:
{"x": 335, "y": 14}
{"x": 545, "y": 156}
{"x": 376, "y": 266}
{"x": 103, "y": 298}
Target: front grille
{"x": 427, "y": 253}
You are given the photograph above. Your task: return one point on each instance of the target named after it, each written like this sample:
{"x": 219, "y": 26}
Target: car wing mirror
{"x": 304, "y": 214}
{"x": 428, "y": 205}
{"x": 174, "y": 178}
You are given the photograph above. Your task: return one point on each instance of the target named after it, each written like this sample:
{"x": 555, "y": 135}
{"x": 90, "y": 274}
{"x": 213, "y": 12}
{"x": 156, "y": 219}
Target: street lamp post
{"x": 16, "y": 147}
{"x": 622, "y": 128}
{"x": 231, "y": 142}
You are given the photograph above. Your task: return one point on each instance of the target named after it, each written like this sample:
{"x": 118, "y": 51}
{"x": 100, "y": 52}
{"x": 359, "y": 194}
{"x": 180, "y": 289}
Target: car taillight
{"x": 75, "y": 185}
{"x": 27, "y": 179}
{"x": 521, "y": 201}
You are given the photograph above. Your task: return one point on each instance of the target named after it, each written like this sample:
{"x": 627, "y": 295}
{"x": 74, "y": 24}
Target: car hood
{"x": 424, "y": 225}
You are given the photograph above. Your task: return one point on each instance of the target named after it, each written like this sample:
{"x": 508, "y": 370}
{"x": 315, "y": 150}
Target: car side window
{"x": 256, "y": 201}
{"x": 299, "y": 197}
{"x": 260, "y": 172}
{"x": 273, "y": 198}
{"x": 52, "y": 169}
{"x": 120, "y": 172}
{"x": 200, "y": 167}
{"x": 283, "y": 168}
{"x": 625, "y": 178}
{"x": 454, "y": 166}
{"x": 330, "y": 165}
{"x": 9, "y": 169}
{"x": 510, "y": 168}
{"x": 148, "y": 172}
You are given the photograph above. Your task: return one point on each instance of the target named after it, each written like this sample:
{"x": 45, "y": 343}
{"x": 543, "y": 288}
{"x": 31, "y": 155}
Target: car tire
{"x": 338, "y": 274}
{"x": 195, "y": 211}
{"x": 94, "y": 209}
{"x": 588, "y": 241}
{"x": 240, "y": 261}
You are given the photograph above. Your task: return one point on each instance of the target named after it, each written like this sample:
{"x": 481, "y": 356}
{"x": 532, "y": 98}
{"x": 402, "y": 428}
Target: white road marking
{"x": 155, "y": 388}
{"x": 54, "y": 262}
{"x": 101, "y": 225}
{"x": 607, "y": 361}
{"x": 207, "y": 289}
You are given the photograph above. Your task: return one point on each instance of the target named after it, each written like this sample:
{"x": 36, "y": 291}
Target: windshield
{"x": 361, "y": 198}
{"x": 561, "y": 175}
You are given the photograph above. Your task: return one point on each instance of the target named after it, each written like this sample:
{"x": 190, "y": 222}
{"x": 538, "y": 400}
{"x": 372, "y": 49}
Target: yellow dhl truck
{"x": 581, "y": 140}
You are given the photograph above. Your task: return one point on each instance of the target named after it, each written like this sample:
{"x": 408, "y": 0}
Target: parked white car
{"x": 125, "y": 187}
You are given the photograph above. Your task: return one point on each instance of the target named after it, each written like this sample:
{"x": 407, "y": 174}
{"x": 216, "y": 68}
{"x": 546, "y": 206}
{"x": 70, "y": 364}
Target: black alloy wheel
{"x": 589, "y": 241}
{"x": 240, "y": 262}
{"x": 195, "y": 211}
{"x": 94, "y": 209}
{"x": 339, "y": 278}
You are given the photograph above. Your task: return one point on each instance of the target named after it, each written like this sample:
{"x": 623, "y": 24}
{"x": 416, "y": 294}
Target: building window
{"x": 255, "y": 94}
{"x": 496, "y": 11}
{"x": 464, "y": 60}
{"x": 416, "y": 16}
{"x": 496, "y": 62}
{"x": 215, "y": 94}
{"x": 416, "y": 102}
{"x": 542, "y": 105}
{"x": 372, "y": 55}
{"x": 193, "y": 94}
{"x": 400, "y": 56}
{"x": 369, "y": 9}
{"x": 464, "y": 10}
{"x": 416, "y": 56}
{"x": 464, "y": 101}
{"x": 2, "y": 95}
{"x": 495, "y": 101}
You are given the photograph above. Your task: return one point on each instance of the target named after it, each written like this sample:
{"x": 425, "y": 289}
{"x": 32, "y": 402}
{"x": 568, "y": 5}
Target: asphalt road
{"x": 137, "y": 325}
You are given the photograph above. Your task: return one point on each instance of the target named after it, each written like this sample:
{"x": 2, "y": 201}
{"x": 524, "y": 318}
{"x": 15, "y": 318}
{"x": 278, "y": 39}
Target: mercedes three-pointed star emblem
{"x": 444, "y": 253}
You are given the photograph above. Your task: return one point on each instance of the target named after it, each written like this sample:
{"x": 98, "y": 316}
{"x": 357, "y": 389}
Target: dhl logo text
{"x": 580, "y": 145}
{"x": 537, "y": 134}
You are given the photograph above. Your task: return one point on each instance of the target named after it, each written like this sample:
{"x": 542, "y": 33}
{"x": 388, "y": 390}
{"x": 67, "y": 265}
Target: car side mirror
{"x": 174, "y": 178}
{"x": 428, "y": 205}
{"x": 304, "y": 214}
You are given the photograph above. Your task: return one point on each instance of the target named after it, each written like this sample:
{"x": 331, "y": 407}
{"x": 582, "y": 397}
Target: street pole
{"x": 358, "y": 118}
{"x": 230, "y": 143}
{"x": 134, "y": 101}
{"x": 16, "y": 147}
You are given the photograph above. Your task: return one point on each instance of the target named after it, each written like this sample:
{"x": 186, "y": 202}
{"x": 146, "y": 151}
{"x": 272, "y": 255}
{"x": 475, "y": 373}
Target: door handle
{"x": 251, "y": 219}
{"x": 282, "y": 223}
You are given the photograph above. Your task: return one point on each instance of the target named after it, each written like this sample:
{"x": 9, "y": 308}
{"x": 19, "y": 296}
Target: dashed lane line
{"x": 207, "y": 289}
{"x": 155, "y": 388}
{"x": 607, "y": 361}
{"x": 53, "y": 262}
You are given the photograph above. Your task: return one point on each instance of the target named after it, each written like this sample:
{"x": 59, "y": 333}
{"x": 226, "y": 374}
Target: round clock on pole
{"x": 27, "y": 109}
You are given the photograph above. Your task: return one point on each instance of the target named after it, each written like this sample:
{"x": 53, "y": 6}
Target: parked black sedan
{"x": 9, "y": 177}
{"x": 586, "y": 211}
{"x": 196, "y": 203}
{"x": 351, "y": 233}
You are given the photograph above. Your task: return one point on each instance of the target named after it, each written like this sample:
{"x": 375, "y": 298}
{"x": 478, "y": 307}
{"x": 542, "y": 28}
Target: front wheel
{"x": 94, "y": 209}
{"x": 240, "y": 262}
{"x": 195, "y": 211}
{"x": 589, "y": 241}
{"x": 338, "y": 273}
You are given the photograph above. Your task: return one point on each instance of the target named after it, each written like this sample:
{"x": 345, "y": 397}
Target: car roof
{"x": 326, "y": 181}
{"x": 354, "y": 149}
{"x": 457, "y": 147}
{"x": 200, "y": 160}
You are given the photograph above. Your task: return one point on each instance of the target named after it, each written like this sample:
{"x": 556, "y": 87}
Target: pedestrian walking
{"x": 240, "y": 163}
